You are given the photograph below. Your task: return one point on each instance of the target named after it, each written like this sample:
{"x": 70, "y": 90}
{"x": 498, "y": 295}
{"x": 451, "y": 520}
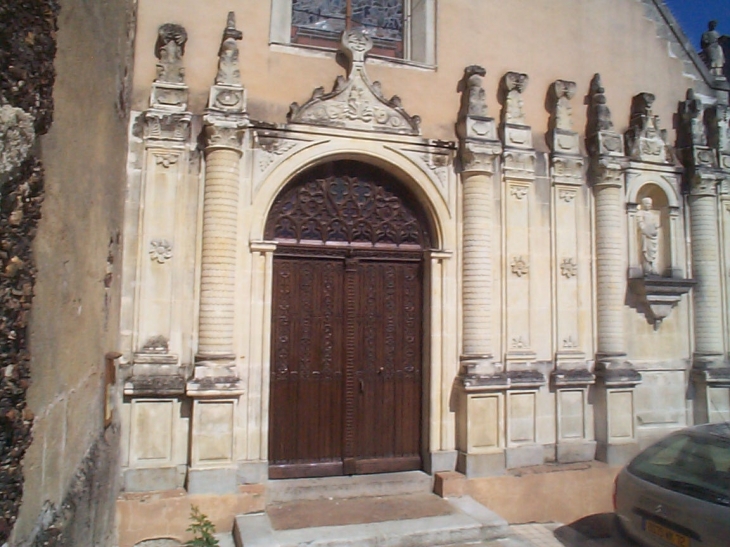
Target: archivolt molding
{"x": 405, "y": 162}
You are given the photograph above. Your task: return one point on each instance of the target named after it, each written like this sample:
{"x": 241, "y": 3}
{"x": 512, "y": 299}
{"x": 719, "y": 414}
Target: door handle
{"x": 362, "y": 385}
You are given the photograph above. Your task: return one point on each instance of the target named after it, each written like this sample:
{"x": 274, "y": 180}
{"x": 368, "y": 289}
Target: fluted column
{"x": 610, "y": 258}
{"x": 706, "y": 260}
{"x": 477, "y": 267}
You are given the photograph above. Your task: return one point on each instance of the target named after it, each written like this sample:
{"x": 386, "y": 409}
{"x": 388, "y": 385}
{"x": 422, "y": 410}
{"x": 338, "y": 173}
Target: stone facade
{"x": 566, "y": 318}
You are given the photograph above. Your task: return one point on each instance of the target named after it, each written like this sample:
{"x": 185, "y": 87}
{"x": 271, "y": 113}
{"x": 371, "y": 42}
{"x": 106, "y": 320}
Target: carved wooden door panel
{"x": 346, "y": 379}
{"x": 387, "y": 366}
{"x": 307, "y": 368}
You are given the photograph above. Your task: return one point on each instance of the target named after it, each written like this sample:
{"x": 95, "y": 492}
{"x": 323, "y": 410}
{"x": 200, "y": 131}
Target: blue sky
{"x": 693, "y": 16}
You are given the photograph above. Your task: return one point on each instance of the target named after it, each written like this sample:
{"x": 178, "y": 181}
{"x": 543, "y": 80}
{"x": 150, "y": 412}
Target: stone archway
{"x": 347, "y": 335}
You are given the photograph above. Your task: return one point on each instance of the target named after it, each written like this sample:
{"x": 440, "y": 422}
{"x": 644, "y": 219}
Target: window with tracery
{"x": 321, "y": 22}
{"x": 400, "y": 29}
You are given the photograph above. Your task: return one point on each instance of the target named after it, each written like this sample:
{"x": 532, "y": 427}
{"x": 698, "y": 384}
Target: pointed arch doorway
{"x": 347, "y": 330}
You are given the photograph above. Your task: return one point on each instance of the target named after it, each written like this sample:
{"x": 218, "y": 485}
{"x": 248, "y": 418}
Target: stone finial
{"x": 562, "y": 111}
{"x": 720, "y": 131}
{"x": 514, "y": 84}
{"x": 355, "y": 45}
{"x": 712, "y": 51}
{"x": 169, "y": 49}
{"x": 228, "y": 69}
{"x": 692, "y": 127}
{"x": 474, "y": 98}
{"x": 645, "y": 141}
{"x": 599, "y": 115}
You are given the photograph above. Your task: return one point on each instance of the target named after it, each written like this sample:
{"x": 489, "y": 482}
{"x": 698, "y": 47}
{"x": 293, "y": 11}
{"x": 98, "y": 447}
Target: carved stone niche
{"x": 656, "y": 278}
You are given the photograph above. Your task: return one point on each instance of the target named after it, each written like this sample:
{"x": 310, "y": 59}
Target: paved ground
{"x": 591, "y": 531}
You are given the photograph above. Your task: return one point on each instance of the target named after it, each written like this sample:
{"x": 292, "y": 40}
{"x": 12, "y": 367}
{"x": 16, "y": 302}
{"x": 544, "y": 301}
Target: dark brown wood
{"x": 347, "y": 329}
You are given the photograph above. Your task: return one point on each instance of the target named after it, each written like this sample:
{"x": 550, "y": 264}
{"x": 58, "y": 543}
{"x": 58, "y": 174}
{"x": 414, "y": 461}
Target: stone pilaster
{"x": 614, "y": 410}
{"x": 571, "y": 376}
{"x": 480, "y": 420}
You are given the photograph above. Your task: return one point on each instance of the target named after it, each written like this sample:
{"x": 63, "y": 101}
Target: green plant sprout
{"x": 202, "y": 529}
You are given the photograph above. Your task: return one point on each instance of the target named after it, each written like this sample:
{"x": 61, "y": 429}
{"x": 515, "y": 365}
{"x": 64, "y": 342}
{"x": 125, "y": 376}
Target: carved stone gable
{"x": 355, "y": 102}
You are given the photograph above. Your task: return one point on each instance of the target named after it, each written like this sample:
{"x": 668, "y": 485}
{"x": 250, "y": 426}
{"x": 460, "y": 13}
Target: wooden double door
{"x": 346, "y": 362}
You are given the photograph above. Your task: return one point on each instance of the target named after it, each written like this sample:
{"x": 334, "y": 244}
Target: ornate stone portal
{"x": 514, "y": 244}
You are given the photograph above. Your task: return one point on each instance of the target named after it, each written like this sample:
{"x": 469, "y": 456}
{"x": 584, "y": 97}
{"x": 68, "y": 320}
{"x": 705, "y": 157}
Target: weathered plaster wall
{"x": 571, "y": 40}
{"x": 70, "y": 469}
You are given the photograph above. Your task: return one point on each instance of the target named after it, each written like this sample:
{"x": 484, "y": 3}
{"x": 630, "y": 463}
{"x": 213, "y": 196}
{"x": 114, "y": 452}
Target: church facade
{"x": 368, "y": 237}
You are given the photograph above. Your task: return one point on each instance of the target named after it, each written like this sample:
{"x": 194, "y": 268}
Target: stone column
{"x": 615, "y": 419}
{"x": 216, "y": 387}
{"x": 480, "y": 420}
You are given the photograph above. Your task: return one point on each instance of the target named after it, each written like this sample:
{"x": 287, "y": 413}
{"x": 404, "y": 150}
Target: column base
{"x": 252, "y": 472}
{"x": 442, "y": 460}
{"x": 481, "y": 465}
{"x": 154, "y": 479}
{"x": 711, "y": 400}
{"x": 524, "y": 456}
{"x": 616, "y": 454}
{"x": 573, "y": 452}
{"x": 217, "y": 480}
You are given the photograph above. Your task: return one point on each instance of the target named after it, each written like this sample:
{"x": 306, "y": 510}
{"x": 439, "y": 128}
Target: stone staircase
{"x": 390, "y": 510}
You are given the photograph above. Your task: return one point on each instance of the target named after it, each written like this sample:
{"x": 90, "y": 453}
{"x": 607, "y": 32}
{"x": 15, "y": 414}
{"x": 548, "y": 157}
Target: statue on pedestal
{"x": 649, "y": 222}
{"x": 714, "y": 55}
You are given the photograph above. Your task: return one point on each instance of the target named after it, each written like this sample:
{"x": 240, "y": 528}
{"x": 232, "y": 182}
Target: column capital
{"x": 224, "y": 132}
{"x": 161, "y": 125}
{"x": 703, "y": 183}
{"x": 607, "y": 172}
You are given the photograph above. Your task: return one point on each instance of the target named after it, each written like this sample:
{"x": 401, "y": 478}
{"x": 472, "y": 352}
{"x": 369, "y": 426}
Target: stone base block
{"x": 572, "y": 452}
{"x": 524, "y": 456}
{"x": 616, "y": 454}
{"x": 449, "y": 484}
{"x": 154, "y": 479}
{"x": 256, "y": 472}
{"x": 219, "y": 480}
{"x": 481, "y": 465}
{"x": 443, "y": 460}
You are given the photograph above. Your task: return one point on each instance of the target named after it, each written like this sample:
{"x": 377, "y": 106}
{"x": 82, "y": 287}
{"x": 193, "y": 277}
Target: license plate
{"x": 666, "y": 534}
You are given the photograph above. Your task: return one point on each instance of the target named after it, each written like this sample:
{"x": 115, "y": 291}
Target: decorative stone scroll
{"x": 355, "y": 102}
{"x": 644, "y": 140}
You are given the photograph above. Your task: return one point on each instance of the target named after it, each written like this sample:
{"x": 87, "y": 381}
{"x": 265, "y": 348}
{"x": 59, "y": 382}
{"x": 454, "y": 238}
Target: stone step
{"x": 358, "y": 486}
{"x": 469, "y": 524}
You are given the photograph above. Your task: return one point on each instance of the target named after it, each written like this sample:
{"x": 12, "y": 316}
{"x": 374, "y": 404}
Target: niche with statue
{"x": 657, "y": 276}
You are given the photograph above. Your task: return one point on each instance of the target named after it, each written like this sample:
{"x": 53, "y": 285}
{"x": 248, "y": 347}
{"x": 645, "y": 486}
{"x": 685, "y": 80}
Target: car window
{"x": 697, "y": 466}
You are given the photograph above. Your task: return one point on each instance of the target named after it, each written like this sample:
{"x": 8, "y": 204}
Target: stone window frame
{"x": 419, "y": 32}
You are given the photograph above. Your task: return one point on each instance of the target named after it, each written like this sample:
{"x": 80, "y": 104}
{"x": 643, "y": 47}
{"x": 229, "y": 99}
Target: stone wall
{"x": 70, "y": 468}
{"x": 27, "y": 49}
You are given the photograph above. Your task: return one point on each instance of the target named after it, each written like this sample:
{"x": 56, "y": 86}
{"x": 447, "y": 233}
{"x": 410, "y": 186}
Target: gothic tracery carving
{"x": 344, "y": 209}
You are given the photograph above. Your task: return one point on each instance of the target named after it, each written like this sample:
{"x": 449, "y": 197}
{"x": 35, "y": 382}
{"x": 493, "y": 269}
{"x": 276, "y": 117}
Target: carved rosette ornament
{"x": 355, "y": 102}
{"x": 478, "y": 152}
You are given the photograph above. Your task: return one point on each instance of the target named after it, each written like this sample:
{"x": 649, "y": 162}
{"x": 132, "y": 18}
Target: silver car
{"x": 677, "y": 491}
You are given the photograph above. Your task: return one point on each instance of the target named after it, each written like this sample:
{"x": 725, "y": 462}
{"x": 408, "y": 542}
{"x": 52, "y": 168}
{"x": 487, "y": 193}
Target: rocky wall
{"x": 27, "y": 50}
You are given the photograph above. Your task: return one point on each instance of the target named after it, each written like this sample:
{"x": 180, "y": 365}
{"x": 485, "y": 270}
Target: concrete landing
{"x": 410, "y": 520}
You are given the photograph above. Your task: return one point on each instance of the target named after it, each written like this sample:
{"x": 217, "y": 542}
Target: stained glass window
{"x": 321, "y": 22}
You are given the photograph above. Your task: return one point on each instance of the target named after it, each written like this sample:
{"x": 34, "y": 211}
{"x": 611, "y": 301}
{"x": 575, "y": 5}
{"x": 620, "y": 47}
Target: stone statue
{"x": 691, "y": 111}
{"x": 228, "y": 70}
{"x": 515, "y": 84}
{"x": 170, "y": 49}
{"x": 564, "y": 92}
{"x": 600, "y": 115}
{"x": 714, "y": 56}
{"x": 649, "y": 222}
{"x": 475, "y": 96}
